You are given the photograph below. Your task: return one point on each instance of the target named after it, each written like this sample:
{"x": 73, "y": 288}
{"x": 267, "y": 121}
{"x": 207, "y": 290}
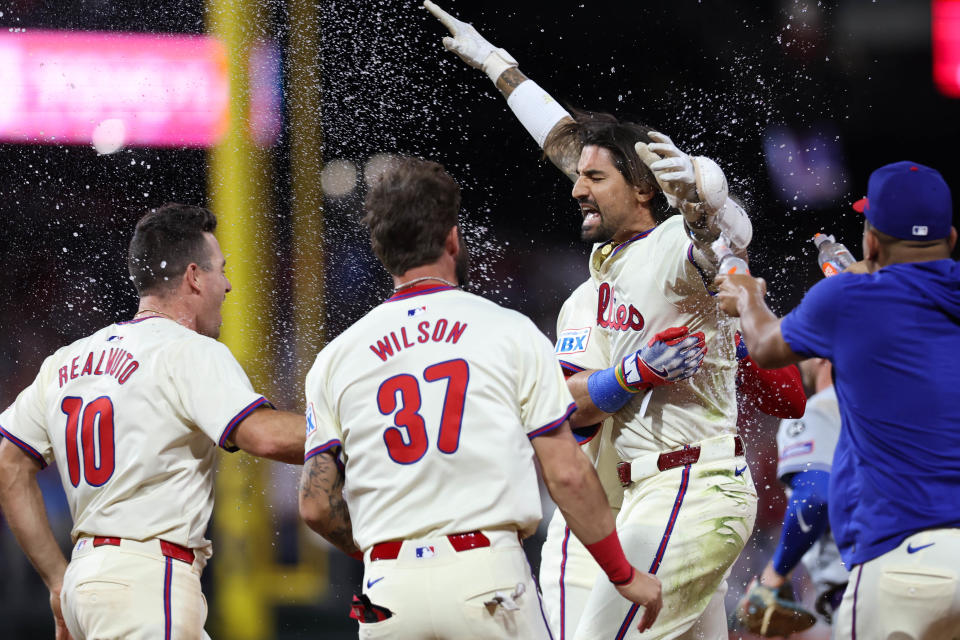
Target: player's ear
{"x": 191, "y": 277}
{"x": 953, "y": 238}
{"x": 451, "y": 245}
{"x": 871, "y": 246}
{"x": 643, "y": 196}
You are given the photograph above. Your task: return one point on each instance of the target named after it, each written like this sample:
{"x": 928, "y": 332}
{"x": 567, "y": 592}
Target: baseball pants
{"x": 567, "y": 574}
{"x": 132, "y": 592}
{"x": 686, "y": 525}
{"x": 433, "y": 591}
{"x": 909, "y": 593}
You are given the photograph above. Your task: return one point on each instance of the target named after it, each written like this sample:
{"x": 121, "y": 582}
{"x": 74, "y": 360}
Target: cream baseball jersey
{"x": 431, "y": 399}
{"x": 581, "y": 346}
{"x": 132, "y": 415}
{"x": 648, "y": 284}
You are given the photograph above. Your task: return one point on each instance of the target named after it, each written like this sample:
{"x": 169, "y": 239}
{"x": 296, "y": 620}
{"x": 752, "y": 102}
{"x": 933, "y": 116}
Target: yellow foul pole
{"x": 239, "y": 175}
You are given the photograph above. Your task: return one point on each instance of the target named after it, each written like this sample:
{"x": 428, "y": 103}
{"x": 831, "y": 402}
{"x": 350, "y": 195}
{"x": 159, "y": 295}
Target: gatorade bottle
{"x": 834, "y": 257}
{"x": 728, "y": 262}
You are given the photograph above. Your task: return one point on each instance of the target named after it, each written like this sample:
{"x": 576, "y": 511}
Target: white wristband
{"x": 497, "y": 62}
{"x": 536, "y": 110}
{"x": 734, "y": 223}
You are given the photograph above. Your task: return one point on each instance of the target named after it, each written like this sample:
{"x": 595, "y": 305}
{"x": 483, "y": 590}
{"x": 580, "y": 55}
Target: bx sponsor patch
{"x": 573, "y": 341}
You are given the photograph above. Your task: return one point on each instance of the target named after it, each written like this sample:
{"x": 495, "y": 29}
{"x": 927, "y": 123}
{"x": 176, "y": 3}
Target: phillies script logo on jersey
{"x": 619, "y": 317}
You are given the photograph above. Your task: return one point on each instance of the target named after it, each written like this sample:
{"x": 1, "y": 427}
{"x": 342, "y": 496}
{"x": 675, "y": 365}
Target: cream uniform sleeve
{"x": 580, "y": 343}
{"x": 545, "y": 403}
{"x": 324, "y": 432}
{"x": 24, "y": 423}
{"x": 213, "y": 388}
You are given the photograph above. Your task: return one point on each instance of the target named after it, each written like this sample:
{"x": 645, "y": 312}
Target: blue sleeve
{"x": 809, "y": 328}
{"x": 805, "y": 521}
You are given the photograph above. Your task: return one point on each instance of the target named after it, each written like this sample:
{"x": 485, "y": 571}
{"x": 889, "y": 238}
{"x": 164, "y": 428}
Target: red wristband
{"x": 609, "y": 555}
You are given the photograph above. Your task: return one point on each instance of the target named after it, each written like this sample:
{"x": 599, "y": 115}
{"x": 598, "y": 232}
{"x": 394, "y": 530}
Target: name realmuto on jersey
{"x": 118, "y": 363}
{"x": 610, "y": 315}
{"x": 441, "y": 331}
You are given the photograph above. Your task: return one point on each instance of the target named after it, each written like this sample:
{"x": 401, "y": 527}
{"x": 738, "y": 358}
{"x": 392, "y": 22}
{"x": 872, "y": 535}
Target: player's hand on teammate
{"x": 466, "y": 42}
{"x": 737, "y": 288}
{"x": 691, "y": 184}
{"x": 672, "y": 168}
{"x": 644, "y": 590}
{"x": 671, "y": 355}
{"x": 59, "y": 624}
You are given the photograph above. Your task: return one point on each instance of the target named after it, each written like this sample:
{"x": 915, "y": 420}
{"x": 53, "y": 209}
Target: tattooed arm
{"x": 322, "y": 505}
{"x": 537, "y": 111}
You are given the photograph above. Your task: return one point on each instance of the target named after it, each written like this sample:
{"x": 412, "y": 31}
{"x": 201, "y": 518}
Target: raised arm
{"x": 538, "y": 112}
{"x": 742, "y": 296}
{"x": 697, "y": 187}
{"x": 22, "y": 504}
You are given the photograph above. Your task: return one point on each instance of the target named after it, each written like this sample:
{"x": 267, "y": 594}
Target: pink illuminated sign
{"x": 946, "y": 46}
{"x": 112, "y": 89}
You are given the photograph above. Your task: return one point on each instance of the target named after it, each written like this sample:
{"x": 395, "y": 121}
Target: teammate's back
{"x": 120, "y": 412}
{"x": 441, "y": 386}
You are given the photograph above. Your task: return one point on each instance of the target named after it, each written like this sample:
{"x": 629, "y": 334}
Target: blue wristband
{"x": 606, "y": 392}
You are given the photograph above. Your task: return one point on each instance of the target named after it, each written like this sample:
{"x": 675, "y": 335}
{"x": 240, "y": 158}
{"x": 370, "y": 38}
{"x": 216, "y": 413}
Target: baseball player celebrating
{"x": 132, "y": 415}
{"x": 437, "y": 403}
{"x": 806, "y": 449}
{"x": 567, "y": 571}
{"x": 894, "y": 506}
{"x": 689, "y": 505}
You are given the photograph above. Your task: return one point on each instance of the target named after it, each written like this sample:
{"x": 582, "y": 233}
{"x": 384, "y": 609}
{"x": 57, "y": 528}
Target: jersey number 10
{"x": 457, "y": 375}
{"x": 95, "y": 422}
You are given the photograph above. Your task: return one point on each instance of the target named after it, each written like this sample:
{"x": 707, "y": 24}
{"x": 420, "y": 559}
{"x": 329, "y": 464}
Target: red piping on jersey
{"x": 237, "y": 419}
{"x": 569, "y": 368}
{"x": 326, "y": 446}
{"x": 639, "y": 236}
{"x": 553, "y": 425}
{"x": 23, "y": 445}
{"x": 419, "y": 290}
{"x": 136, "y": 320}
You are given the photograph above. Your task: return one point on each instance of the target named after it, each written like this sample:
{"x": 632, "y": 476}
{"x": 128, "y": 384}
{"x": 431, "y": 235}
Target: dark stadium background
{"x": 849, "y": 81}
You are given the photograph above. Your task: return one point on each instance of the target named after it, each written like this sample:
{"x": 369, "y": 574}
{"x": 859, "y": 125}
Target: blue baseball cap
{"x": 908, "y": 201}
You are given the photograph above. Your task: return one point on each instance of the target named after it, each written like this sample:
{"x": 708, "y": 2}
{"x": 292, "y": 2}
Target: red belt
{"x": 672, "y": 459}
{"x": 459, "y": 541}
{"x": 168, "y": 549}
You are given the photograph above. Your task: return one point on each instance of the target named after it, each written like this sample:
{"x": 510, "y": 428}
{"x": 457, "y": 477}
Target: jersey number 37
{"x": 406, "y": 388}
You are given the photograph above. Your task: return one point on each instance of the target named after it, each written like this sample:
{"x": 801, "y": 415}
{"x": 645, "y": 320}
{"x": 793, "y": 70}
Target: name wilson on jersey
{"x": 120, "y": 364}
{"x": 441, "y": 331}
{"x": 610, "y": 315}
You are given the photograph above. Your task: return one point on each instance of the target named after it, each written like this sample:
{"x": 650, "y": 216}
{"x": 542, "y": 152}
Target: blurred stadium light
{"x": 946, "y": 46}
{"x": 145, "y": 90}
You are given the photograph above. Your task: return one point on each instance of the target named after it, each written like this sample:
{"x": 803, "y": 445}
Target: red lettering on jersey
{"x": 73, "y": 368}
{"x": 112, "y": 359}
{"x": 406, "y": 342}
{"x": 123, "y": 377}
{"x": 121, "y": 365}
{"x": 98, "y": 371}
{"x": 396, "y": 343}
{"x": 440, "y": 330}
{"x": 383, "y": 348}
{"x": 610, "y": 315}
{"x": 456, "y": 332}
{"x": 88, "y": 365}
{"x": 63, "y": 375}
{"x": 424, "y": 329}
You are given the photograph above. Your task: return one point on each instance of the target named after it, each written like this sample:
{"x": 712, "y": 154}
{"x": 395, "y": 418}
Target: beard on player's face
{"x": 462, "y": 265}
{"x": 595, "y": 227}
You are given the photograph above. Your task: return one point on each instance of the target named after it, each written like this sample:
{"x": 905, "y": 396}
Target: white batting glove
{"x": 689, "y": 183}
{"x": 473, "y": 48}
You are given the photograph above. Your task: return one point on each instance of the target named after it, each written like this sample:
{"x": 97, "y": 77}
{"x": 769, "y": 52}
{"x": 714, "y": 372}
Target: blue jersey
{"x": 894, "y": 340}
